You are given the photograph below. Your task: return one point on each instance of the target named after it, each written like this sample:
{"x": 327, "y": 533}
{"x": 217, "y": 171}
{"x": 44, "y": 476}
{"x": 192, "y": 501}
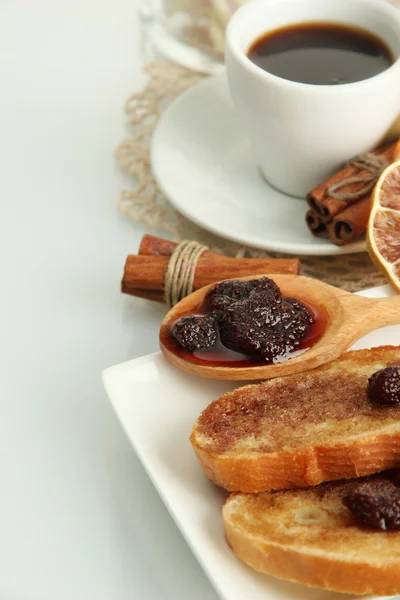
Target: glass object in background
{"x": 190, "y": 32}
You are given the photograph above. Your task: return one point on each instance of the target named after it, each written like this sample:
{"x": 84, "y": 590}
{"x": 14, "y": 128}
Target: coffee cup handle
{"x": 394, "y": 131}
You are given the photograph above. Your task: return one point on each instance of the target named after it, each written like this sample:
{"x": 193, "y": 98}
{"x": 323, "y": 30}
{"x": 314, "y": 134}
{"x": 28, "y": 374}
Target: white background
{"x": 79, "y": 519}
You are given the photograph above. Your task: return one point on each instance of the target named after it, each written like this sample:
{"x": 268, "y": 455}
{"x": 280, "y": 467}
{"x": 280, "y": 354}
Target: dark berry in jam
{"x": 226, "y": 292}
{"x": 247, "y": 318}
{"x": 384, "y": 386}
{"x": 264, "y": 324}
{"x": 195, "y": 333}
{"x": 295, "y": 320}
{"x": 376, "y": 504}
{"x": 219, "y": 303}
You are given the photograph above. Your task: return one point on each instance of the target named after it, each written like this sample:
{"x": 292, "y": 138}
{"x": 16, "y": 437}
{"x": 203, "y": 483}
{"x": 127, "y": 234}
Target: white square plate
{"x": 157, "y": 405}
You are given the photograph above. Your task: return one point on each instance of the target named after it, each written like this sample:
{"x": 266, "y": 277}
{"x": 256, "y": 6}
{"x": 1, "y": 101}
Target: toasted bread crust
{"x": 374, "y": 446}
{"x": 310, "y": 537}
{"x": 302, "y": 468}
{"x": 315, "y": 571}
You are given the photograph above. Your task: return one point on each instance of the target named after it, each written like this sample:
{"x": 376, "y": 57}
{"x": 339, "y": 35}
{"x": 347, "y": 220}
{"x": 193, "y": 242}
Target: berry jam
{"x": 376, "y": 504}
{"x": 384, "y": 386}
{"x": 301, "y": 321}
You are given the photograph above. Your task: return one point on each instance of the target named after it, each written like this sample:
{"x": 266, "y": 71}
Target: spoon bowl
{"x": 349, "y": 318}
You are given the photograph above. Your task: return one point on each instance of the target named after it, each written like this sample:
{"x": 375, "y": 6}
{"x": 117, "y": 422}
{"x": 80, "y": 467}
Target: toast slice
{"x": 301, "y": 430}
{"x": 310, "y": 537}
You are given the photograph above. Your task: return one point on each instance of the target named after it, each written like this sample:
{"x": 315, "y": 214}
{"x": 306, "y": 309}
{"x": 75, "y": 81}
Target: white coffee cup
{"x": 301, "y": 133}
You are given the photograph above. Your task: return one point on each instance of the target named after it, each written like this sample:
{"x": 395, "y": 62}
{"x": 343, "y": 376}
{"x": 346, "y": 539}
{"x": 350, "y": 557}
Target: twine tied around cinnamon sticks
{"x": 339, "y": 208}
{"x": 179, "y": 276}
{"x": 373, "y": 164}
{"x": 153, "y": 275}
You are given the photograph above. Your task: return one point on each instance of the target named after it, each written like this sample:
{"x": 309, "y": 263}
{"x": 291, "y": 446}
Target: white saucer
{"x": 203, "y": 162}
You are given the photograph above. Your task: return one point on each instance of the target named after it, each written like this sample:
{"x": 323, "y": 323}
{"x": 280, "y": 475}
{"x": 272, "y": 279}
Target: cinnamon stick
{"x": 326, "y": 207}
{"x": 147, "y": 272}
{"x": 144, "y": 274}
{"x": 317, "y": 227}
{"x": 155, "y": 246}
{"x": 352, "y": 222}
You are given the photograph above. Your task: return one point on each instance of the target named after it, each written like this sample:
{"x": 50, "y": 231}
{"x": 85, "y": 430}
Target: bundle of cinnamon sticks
{"x": 144, "y": 273}
{"x": 339, "y": 208}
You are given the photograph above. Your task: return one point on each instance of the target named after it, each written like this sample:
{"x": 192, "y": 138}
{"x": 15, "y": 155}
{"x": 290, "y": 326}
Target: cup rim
{"x": 232, "y": 46}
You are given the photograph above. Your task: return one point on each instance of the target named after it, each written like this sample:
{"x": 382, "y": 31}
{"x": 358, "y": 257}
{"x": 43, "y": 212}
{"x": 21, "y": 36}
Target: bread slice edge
{"x": 302, "y": 467}
{"x": 312, "y": 568}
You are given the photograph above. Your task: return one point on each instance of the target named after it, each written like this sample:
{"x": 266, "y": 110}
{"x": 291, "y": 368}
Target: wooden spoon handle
{"x": 367, "y": 314}
{"x": 385, "y": 311}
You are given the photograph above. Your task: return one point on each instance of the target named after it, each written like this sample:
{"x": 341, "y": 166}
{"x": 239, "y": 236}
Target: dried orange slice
{"x": 396, "y": 152}
{"x": 384, "y": 224}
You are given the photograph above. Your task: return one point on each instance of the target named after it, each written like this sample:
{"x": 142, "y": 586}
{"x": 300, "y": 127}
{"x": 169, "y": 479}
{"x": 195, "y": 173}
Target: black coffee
{"x": 321, "y": 53}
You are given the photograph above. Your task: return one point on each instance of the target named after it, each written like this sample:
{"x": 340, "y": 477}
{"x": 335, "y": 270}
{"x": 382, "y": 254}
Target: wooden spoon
{"x": 349, "y": 318}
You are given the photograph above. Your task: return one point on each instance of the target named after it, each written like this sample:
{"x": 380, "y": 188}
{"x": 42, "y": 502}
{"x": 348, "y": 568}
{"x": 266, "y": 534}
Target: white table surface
{"x": 79, "y": 519}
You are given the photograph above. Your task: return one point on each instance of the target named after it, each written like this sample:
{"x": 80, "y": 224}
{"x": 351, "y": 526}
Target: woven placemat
{"x": 145, "y": 203}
